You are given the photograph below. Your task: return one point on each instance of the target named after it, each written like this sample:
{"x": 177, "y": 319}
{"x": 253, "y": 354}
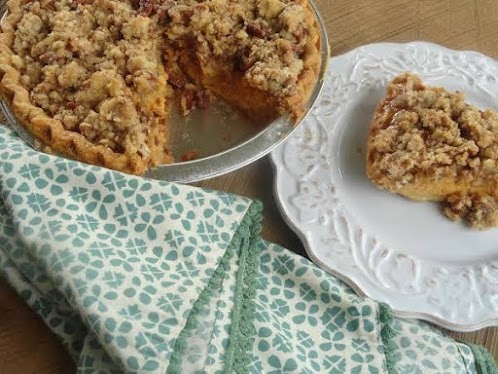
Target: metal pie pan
{"x": 224, "y": 139}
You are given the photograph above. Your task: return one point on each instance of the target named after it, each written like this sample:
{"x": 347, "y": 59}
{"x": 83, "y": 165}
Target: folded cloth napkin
{"x": 142, "y": 276}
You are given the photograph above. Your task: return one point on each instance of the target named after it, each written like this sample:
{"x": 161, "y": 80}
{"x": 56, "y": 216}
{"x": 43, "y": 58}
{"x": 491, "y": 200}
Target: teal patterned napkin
{"x": 141, "y": 276}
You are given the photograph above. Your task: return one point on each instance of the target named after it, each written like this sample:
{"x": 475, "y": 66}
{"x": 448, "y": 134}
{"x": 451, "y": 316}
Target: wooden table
{"x": 26, "y": 346}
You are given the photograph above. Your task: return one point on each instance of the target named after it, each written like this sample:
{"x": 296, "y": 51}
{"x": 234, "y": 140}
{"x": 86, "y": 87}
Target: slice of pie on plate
{"x": 426, "y": 143}
{"x": 95, "y": 79}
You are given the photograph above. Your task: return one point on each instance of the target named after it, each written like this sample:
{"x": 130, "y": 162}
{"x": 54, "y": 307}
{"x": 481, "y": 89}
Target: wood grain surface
{"x": 27, "y": 346}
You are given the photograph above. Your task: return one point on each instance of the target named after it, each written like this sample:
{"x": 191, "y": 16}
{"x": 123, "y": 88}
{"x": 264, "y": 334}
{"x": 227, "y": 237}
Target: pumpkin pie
{"x": 426, "y": 143}
{"x": 95, "y": 80}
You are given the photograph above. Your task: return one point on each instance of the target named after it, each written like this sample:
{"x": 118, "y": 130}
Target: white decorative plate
{"x": 392, "y": 249}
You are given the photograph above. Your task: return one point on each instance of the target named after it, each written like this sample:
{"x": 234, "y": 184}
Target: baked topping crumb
{"x": 479, "y": 210}
{"x": 263, "y": 39}
{"x": 428, "y": 144}
{"x": 192, "y": 97}
{"x": 95, "y": 68}
{"x": 190, "y": 155}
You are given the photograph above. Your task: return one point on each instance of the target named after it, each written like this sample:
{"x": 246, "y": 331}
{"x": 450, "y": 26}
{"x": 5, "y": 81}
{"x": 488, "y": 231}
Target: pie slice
{"x": 426, "y": 143}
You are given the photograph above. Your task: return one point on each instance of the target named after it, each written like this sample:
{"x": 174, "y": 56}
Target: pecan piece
{"x": 256, "y": 29}
{"x": 147, "y": 7}
{"x": 71, "y": 105}
{"x": 176, "y": 77}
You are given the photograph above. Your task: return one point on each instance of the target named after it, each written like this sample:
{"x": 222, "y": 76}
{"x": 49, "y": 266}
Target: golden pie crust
{"x": 426, "y": 143}
{"x": 95, "y": 80}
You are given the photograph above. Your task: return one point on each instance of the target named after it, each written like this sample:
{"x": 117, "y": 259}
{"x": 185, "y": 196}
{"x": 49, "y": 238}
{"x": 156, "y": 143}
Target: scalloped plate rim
{"x": 351, "y": 280}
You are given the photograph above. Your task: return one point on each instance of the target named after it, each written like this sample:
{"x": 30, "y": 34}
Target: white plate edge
{"x": 352, "y": 281}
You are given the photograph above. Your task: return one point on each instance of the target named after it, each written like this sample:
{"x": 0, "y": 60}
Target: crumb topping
{"x": 434, "y": 133}
{"x": 263, "y": 39}
{"x": 479, "y": 210}
{"x": 429, "y": 133}
{"x": 92, "y": 66}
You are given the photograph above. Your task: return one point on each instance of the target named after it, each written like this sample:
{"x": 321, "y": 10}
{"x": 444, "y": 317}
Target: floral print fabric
{"x": 142, "y": 276}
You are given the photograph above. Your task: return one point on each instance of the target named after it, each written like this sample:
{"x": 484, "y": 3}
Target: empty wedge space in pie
{"x": 426, "y": 143}
{"x": 97, "y": 80}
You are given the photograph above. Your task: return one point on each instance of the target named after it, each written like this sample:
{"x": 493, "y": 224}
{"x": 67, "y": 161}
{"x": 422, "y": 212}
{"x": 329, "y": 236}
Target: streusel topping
{"x": 479, "y": 210}
{"x": 430, "y": 134}
{"x": 435, "y": 133}
{"x": 263, "y": 39}
{"x": 92, "y": 65}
